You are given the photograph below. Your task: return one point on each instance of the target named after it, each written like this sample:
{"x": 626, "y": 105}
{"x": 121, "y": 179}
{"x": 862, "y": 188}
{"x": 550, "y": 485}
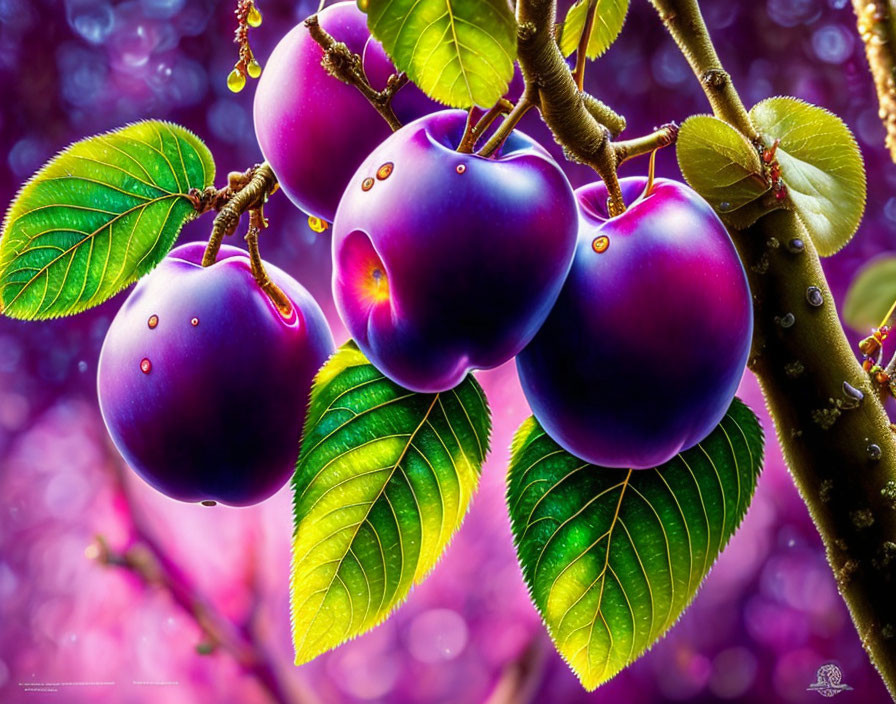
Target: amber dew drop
{"x": 145, "y": 365}
{"x": 601, "y": 244}
{"x": 153, "y": 322}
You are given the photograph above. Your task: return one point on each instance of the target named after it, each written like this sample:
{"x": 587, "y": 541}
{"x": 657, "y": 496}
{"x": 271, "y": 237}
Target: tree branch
{"x": 877, "y": 27}
{"x": 563, "y": 105}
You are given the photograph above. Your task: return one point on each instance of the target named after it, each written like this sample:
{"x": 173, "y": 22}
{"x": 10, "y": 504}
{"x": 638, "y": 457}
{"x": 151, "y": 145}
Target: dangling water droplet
{"x": 385, "y": 171}
{"x": 153, "y": 322}
{"x": 209, "y": 502}
{"x": 814, "y": 296}
{"x": 145, "y": 365}
{"x": 254, "y": 68}
{"x": 461, "y": 168}
{"x": 236, "y": 81}
{"x": 796, "y": 245}
{"x": 367, "y": 184}
{"x": 601, "y": 244}
{"x": 253, "y": 18}
{"x": 874, "y": 451}
{"x": 194, "y": 322}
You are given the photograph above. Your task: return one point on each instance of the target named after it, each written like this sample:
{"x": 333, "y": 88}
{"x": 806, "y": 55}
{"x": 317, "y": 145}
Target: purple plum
{"x": 445, "y": 262}
{"x": 313, "y": 129}
{"x": 203, "y": 382}
{"x": 646, "y": 345}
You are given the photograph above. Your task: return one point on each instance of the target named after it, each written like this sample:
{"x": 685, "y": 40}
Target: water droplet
{"x": 253, "y": 18}
{"x": 317, "y": 225}
{"x": 852, "y": 393}
{"x": 874, "y": 451}
{"x": 82, "y": 366}
{"x": 786, "y": 321}
{"x": 796, "y": 245}
{"x": 153, "y": 322}
{"x": 209, "y": 502}
{"x": 367, "y": 184}
{"x": 253, "y": 68}
{"x": 814, "y": 296}
{"x": 377, "y": 275}
{"x": 194, "y": 322}
{"x": 145, "y": 365}
{"x": 385, "y": 171}
{"x": 236, "y": 81}
{"x": 724, "y": 205}
{"x": 601, "y": 244}
{"x": 461, "y": 168}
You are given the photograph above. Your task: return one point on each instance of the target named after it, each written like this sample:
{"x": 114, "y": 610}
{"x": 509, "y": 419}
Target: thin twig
{"x": 473, "y": 133}
{"x": 663, "y": 137}
{"x": 523, "y": 105}
{"x": 584, "y": 40}
{"x": 340, "y": 62}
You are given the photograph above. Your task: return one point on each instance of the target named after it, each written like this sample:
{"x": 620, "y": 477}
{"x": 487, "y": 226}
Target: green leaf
{"x": 613, "y": 556}
{"x": 871, "y": 294}
{"x": 459, "y": 52}
{"x": 607, "y": 25}
{"x": 821, "y": 166}
{"x": 722, "y": 166}
{"x": 383, "y": 481}
{"x": 98, "y": 216}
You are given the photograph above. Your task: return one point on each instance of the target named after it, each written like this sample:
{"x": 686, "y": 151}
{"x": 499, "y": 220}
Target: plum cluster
{"x": 630, "y": 332}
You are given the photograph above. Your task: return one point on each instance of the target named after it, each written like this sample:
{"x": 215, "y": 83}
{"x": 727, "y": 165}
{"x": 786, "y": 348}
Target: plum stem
{"x": 343, "y": 64}
{"x": 244, "y": 192}
{"x": 582, "y": 50}
{"x": 523, "y": 105}
{"x": 256, "y": 224}
{"x": 877, "y": 27}
{"x": 473, "y": 131}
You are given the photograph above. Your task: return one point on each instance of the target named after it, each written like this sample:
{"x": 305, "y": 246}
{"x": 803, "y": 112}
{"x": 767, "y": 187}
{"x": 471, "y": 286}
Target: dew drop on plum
{"x": 194, "y": 322}
{"x": 153, "y": 322}
{"x": 145, "y": 365}
{"x": 601, "y": 244}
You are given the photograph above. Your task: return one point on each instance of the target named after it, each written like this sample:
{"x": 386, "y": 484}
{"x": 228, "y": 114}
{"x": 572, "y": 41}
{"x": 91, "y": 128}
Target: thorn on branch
{"x": 343, "y": 64}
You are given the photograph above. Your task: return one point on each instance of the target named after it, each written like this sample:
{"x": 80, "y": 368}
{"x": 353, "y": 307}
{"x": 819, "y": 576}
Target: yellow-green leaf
{"x": 96, "y": 217}
{"x": 613, "y": 556}
{"x": 607, "y": 25}
{"x": 821, "y": 166}
{"x": 720, "y": 164}
{"x": 871, "y": 294}
{"x": 459, "y": 52}
{"x": 384, "y": 479}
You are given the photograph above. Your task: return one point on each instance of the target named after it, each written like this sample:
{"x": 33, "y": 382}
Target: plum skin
{"x": 445, "y": 262}
{"x": 313, "y": 129}
{"x": 203, "y": 383}
{"x": 643, "y": 352}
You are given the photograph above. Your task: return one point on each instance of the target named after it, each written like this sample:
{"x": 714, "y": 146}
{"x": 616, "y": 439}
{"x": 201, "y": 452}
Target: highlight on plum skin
{"x": 203, "y": 383}
{"x": 646, "y": 345}
{"x": 446, "y": 262}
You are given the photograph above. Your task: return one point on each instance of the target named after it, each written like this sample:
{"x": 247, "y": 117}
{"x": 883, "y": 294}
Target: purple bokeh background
{"x": 768, "y": 615}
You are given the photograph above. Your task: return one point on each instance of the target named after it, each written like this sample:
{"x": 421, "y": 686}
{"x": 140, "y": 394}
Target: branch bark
{"x": 832, "y": 427}
{"x": 877, "y": 27}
